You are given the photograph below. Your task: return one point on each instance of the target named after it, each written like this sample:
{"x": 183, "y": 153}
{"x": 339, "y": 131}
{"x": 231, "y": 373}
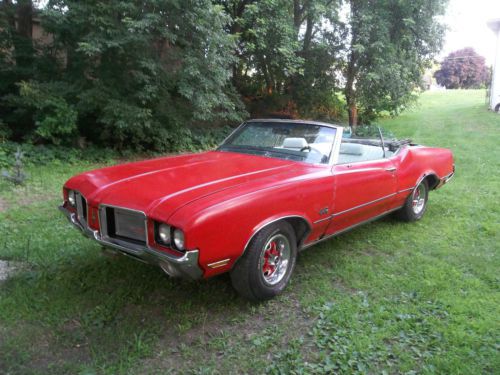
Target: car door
{"x": 362, "y": 191}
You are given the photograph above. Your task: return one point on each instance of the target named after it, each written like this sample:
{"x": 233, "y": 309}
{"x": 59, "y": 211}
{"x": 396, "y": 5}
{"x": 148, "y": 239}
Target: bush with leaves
{"x": 17, "y": 175}
{"x": 124, "y": 73}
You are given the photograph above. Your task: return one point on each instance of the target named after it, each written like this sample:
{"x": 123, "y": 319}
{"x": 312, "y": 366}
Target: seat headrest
{"x": 297, "y": 143}
{"x": 351, "y": 149}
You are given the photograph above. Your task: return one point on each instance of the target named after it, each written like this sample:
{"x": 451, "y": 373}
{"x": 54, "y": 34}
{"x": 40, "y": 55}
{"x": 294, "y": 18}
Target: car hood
{"x": 171, "y": 182}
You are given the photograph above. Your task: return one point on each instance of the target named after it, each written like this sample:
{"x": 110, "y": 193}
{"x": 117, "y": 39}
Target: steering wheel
{"x": 313, "y": 150}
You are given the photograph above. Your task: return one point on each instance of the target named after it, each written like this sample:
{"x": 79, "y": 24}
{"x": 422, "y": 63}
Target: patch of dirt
{"x": 27, "y": 200}
{"x": 257, "y": 322}
{"x": 371, "y": 252}
{"x": 3, "y": 205}
{"x": 8, "y": 268}
{"x": 340, "y": 285}
{"x": 44, "y": 353}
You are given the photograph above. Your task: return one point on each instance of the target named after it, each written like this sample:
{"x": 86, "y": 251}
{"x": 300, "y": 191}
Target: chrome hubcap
{"x": 418, "y": 199}
{"x": 274, "y": 259}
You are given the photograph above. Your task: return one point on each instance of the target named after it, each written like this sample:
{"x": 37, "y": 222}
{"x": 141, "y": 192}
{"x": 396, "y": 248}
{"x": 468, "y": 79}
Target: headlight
{"x": 179, "y": 239}
{"x": 164, "y": 233}
{"x": 71, "y": 198}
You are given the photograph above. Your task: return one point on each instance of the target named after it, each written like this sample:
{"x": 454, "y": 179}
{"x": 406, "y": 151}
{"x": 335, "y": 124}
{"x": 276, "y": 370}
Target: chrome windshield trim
{"x": 334, "y": 152}
{"x": 305, "y": 122}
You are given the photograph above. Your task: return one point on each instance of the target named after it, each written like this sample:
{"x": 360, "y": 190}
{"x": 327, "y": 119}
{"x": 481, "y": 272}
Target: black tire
{"x": 409, "y": 211}
{"x": 248, "y": 276}
{"x": 497, "y": 108}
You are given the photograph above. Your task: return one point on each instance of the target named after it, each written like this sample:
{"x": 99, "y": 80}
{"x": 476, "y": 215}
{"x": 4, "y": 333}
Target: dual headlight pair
{"x": 166, "y": 235}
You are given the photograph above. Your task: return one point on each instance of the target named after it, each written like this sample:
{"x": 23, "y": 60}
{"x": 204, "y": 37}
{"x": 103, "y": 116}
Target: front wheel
{"x": 416, "y": 204}
{"x": 265, "y": 268}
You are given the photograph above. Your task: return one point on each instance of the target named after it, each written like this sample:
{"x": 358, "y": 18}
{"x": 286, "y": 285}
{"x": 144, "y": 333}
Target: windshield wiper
{"x": 241, "y": 147}
{"x": 265, "y": 150}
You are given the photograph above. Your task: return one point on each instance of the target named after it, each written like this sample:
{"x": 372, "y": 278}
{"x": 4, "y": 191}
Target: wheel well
{"x": 497, "y": 108}
{"x": 432, "y": 181}
{"x": 301, "y": 228}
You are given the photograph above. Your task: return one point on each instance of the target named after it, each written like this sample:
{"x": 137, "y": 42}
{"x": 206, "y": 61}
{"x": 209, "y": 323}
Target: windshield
{"x": 309, "y": 143}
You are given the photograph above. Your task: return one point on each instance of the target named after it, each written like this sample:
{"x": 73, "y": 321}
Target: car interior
{"x": 350, "y": 151}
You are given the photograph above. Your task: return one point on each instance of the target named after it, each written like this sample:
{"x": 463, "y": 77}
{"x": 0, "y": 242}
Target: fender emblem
{"x": 323, "y": 211}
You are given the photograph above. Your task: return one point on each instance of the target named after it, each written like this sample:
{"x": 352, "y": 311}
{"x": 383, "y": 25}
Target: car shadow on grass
{"x": 93, "y": 311}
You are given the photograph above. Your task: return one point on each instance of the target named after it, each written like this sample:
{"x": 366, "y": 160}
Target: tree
{"x": 132, "y": 73}
{"x": 462, "y": 69}
{"x": 389, "y": 45}
{"x": 129, "y": 73}
{"x": 285, "y": 49}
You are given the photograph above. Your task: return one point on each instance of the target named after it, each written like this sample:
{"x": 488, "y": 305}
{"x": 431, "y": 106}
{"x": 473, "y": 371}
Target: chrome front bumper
{"x": 185, "y": 266}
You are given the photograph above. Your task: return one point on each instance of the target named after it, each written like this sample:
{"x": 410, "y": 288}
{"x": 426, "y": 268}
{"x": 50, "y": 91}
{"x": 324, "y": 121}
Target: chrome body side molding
{"x": 349, "y": 228}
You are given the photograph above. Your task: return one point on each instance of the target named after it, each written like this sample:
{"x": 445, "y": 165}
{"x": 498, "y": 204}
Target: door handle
{"x": 390, "y": 169}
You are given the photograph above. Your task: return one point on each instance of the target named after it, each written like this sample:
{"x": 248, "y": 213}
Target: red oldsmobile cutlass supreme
{"x": 273, "y": 188}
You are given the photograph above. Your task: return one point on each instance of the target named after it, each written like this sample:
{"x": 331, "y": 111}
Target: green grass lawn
{"x": 388, "y": 297}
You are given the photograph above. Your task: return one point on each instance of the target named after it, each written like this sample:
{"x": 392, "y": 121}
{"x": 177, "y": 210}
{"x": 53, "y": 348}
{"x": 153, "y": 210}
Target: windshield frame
{"x": 332, "y": 158}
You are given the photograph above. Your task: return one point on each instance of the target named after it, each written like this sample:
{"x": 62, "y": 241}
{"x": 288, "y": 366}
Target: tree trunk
{"x": 25, "y": 18}
{"x": 308, "y": 33}
{"x": 298, "y": 11}
{"x": 352, "y": 71}
{"x": 353, "y": 115}
{"x": 22, "y": 25}
{"x": 350, "y": 92}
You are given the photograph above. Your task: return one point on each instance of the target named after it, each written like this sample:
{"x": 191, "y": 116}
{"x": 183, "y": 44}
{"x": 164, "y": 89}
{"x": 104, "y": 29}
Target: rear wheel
{"x": 416, "y": 204}
{"x": 265, "y": 268}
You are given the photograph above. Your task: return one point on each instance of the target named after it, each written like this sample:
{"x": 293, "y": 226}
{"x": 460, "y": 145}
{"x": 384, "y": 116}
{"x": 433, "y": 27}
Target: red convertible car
{"x": 273, "y": 188}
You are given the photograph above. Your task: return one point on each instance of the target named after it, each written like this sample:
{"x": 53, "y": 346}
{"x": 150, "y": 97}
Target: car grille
{"x": 123, "y": 224}
{"x": 81, "y": 208}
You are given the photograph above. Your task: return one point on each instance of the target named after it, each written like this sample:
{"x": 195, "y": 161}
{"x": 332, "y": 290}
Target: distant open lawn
{"x": 387, "y": 297}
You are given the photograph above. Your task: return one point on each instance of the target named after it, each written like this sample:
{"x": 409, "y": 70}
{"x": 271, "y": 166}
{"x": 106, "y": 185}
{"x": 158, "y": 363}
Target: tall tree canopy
{"x": 133, "y": 73}
{"x": 390, "y": 43}
{"x": 462, "y": 69}
{"x": 128, "y": 72}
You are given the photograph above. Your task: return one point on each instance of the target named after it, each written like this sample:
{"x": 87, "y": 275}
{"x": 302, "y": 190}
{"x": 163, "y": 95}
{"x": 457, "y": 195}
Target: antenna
{"x": 382, "y": 139}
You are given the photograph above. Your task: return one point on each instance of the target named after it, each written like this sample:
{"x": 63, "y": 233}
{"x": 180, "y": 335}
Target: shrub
{"x": 17, "y": 175}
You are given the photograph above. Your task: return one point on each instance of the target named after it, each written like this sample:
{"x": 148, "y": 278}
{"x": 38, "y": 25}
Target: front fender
{"x": 223, "y": 230}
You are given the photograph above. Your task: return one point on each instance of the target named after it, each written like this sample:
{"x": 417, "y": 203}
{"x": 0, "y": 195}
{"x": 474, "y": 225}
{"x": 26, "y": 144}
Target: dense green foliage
{"x": 126, "y": 74}
{"x": 388, "y": 297}
{"x": 390, "y": 45}
{"x": 463, "y": 69}
{"x": 142, "y": 74}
